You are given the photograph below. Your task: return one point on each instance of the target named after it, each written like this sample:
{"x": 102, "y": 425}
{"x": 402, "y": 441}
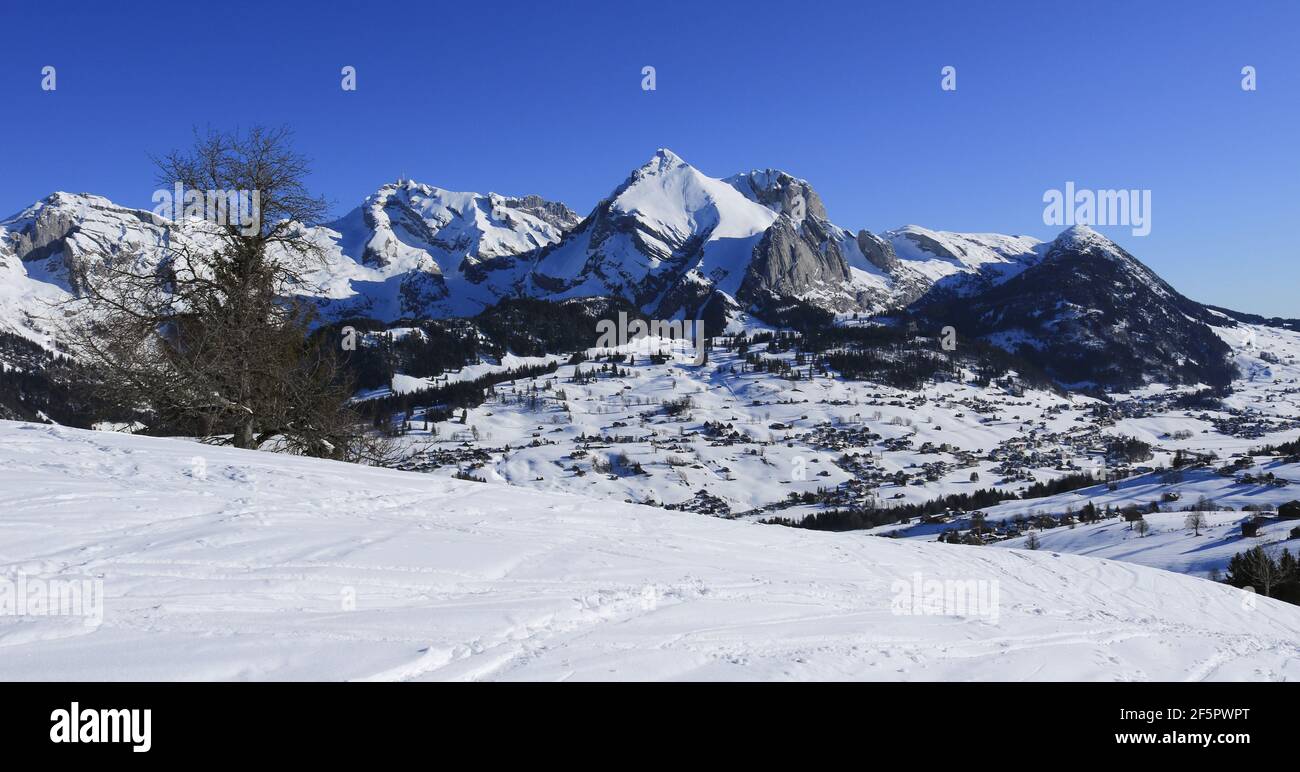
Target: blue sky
{"x": 546, "y": 98}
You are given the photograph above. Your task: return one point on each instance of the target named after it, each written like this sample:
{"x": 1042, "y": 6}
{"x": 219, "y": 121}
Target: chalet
{"x": 1251, "y": 527}
{"x": 1289, "y": 511}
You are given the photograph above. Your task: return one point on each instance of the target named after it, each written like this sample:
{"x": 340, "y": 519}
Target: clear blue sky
{"x": 545, "y": 98}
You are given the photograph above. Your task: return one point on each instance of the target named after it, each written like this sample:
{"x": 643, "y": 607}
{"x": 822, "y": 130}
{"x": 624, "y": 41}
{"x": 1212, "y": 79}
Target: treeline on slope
{"x": 1181, "y": 351}
{"x": 897, "y": 355}
{"x": 439, "y": 402}
{"x": 1272, "y": 577}
{"x": 1266, "y": 321}
{"x": 532, "y": 327}
{"x": 855, "y": 519}
{"x": 1289, "y": 448}
{"x": 36, "y": 384}
{"x": 374, "y": 355}
{"x": 521, "y": 326}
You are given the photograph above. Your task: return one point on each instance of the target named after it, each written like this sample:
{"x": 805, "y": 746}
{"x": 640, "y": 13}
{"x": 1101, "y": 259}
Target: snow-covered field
{"x": 224, "y": 564}
{"x": 1170, "y": 544}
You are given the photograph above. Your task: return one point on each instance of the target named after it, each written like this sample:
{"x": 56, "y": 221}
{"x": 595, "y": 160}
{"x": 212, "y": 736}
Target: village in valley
{"x": 765, "y": 432}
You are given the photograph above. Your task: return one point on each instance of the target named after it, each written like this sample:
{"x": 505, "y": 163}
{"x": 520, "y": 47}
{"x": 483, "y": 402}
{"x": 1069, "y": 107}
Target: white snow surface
{"x": 238, "y": 566}
{"x": 993, "y": 255}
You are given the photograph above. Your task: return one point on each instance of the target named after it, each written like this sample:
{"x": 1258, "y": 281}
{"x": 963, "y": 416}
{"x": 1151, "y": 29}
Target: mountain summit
{"x": 667, "y": 238}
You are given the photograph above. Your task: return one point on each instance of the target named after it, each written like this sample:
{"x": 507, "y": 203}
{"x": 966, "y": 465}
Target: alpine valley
{"x": 967, "y": 405}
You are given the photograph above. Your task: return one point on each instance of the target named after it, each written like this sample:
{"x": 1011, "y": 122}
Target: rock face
{"x": 62, "y": 235}
{"x": 780, "y": 192}
{"x": 797, "y": 261}
{"x": 553, "y": 213}
{"x": 878, "y": 252}
{"x": 805, "y": 258}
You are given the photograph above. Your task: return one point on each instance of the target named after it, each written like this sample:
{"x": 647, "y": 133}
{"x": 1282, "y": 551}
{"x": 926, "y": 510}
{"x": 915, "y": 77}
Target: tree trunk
{"x": 244, "y": 435}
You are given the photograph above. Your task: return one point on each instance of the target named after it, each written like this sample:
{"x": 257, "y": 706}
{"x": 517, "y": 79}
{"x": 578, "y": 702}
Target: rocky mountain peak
{"x": 781, "y": 192}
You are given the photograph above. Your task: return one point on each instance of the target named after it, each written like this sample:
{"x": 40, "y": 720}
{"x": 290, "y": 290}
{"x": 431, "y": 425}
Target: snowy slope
{"x": 43, "y": 247}
{"x": 1170, "y": 544}
{"x": 963, "y": 262}
{"x": 225, "y": 564}
{"x": 668, "y": 223}
{"x": 28, "y": 306}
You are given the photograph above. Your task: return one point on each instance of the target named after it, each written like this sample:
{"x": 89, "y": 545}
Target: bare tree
{"x": 1196, "y": 521}
{"x": 1142, "y": 526}
{"x": 214, "y": 336}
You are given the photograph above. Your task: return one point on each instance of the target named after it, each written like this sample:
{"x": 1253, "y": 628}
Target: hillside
{"x": 225, "y": 564}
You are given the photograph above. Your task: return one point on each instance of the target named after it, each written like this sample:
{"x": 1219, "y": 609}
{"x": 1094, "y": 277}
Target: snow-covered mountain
{"x": 670, "y": 238}
{"x": 676, "y": 243}
{"x": 46, "y": 246}
{"x": 416, "y": 250}
{"x": 666, "y": 239}
{"x": 221, "y": 564}
{"x": 1089, "y": 312}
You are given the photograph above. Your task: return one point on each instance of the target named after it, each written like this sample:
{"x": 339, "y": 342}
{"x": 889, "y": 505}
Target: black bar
{"x": 1059, "y": 722}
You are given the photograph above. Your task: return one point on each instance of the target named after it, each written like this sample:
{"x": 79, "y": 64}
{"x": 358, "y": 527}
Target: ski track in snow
{"x": 241, "y": 573}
